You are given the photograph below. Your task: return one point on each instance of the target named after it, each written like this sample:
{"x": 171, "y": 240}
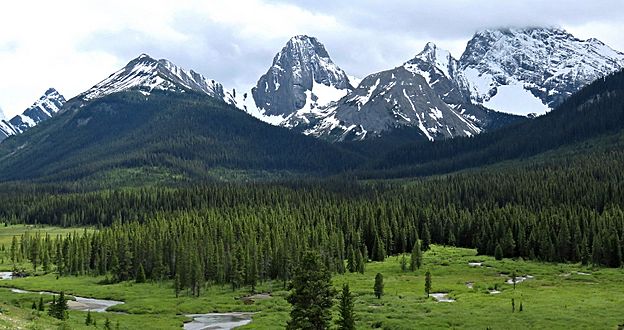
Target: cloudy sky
{"x": 71, "y": 45}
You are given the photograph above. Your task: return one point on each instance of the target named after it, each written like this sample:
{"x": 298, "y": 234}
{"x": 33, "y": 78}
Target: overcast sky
{"x": 71, "y": 45}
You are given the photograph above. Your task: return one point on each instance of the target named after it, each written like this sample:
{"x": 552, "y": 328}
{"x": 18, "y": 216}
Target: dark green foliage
{"x": 403, "y": 262}
{"x": 311, "y": 294}
{"x": 140, "y": 277}
{"x": 88, "y": 319}
{"x": 593, "y": 111}
{"x": 176, "y": 136}
{"x": 416, "y": 259}
{"x": 379, "y": 286}
{"x": 347, "y": 315}
{"x": 108, "y": 324}
{"x": 58, "y": 308}
{"x": 379, "y": 249}
{"x": 40, "y": 307}
{"x": 498, "y": 252}
{"x": 428, "y": 283}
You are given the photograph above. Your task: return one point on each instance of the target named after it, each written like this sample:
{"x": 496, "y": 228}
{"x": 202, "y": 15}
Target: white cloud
{"x": 72, "y": 44}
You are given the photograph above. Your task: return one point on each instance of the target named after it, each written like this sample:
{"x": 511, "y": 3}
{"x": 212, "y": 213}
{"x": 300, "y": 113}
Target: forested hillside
{"x": 567, "y": 207}
{"x": 596, "y": 110}
{"x": 182, "y": 136}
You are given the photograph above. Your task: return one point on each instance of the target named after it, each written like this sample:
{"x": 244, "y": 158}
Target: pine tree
{"x": 379, "y": 249}
{"x": 379, "y": 285}
{"x": 107, "y": 324}
{"x": 428, "y": 283}
{"x": 416, "y": 260}
{"x": 351, "y": 261}
{"x": 347, "y": 315}
{"x": 52, "y": 308}
{"x": 61, "y": 307}
{"x": 40, "y": 307}
{"x": 360, "y": 262}
{"x": 140, "y": 277}
{"x": 498, "y": 252}
{"x": 426, "y": 240}
{"x": 311, "y": 294}
{"x": 403, "y": 261}
{"x": 88, "y": 319}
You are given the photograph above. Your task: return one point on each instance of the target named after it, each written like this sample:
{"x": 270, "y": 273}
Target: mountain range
{"x": 502, "y": 76}
{"x": 157, "y": 117}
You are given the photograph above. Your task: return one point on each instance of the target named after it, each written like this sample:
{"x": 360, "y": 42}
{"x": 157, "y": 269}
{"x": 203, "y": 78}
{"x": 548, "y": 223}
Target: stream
{"x": 212, "y": 321}
{"x": 81, "y": 303}
{"x": 217, "y": 321}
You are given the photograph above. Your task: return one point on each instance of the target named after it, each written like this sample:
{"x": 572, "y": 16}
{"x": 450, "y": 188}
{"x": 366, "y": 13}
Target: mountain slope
{"x": 302, "y": 76}
{"x": 425, "y": 92}
{"x": 522, "y": 70}
{"x": 44, "y": 108}
{"x": 149, "y": 120}
{"x": 147, "y": 74}
{"x": 596, "y": 110}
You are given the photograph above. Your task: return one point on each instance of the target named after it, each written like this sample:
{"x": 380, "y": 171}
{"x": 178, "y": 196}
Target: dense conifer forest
{"x": 567, "y": 209}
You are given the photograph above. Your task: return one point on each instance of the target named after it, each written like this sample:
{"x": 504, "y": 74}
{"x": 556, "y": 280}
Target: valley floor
{"x": 554, "y": 296}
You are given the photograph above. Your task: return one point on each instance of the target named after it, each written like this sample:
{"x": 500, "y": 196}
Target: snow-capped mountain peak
{"x": 301, "y": 77}
{"x": 534, "y": 69}
{"x": 146, "y": 74}
{"x": 45, "y": 107}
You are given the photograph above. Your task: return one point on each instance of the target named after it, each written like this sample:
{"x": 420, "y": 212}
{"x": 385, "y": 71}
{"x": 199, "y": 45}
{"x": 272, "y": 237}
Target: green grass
{"x": 555, "y": 298}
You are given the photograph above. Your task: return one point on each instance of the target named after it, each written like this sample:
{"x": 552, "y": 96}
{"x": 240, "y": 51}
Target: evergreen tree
{"x": 360, "y": 262}
{"x": 426, "y": 240}
{"x": 498, "y": 252}
{"x": 311, "y": 294}
{"x": 107, "y": 324}
{"x": 379, "y": 286}
{"x": 379, "y": 249}
{"x": 416, "y": 259}
{"x": 428, "y": 283}
{"x": 403, "y": 262}
{"x": 41, "y": 306}
{"x": 347, "y": 315}
{"x": 352, "y": 261}
{"x": 140, "y": 277}
{"x": 88, "y": 319}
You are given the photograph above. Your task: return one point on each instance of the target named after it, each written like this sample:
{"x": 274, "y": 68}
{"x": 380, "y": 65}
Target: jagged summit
{"x": 145, "y": 74}
{"x": 45, "y": 107}
{"x": 511, "y": 69}
{"x": 302, "y": 76}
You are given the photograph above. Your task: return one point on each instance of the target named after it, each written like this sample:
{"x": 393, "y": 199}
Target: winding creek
{"x": 212, "y": 321}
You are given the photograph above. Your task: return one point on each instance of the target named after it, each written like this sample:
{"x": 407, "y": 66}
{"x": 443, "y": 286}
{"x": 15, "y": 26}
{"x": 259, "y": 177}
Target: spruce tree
{"x": 379, "y": 250}
{"x": 379, "y": 286}
{"x": 359, "y": 260}
{"x": 498, "y": 252}
{"x": 426, "y": 240}
{"x": 347, "y": 315}
{"x": 428, "y": 283}
{"x": 88, "y": 319}
{"x": 416, "y": 259}
{"x": 403, "y": 262}
{"x": 41, "y": 306}
{"x": 140, "y": 277}
{"x": 311, "y": 294}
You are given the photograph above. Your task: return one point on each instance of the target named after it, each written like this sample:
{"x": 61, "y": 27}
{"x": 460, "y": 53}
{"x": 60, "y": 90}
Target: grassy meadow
{"x": 558, "y": 296}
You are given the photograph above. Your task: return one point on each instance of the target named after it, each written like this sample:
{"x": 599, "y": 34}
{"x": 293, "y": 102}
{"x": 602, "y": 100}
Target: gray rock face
{"x": 146, "y": 74}
{"x": 297, "y": 68}
{"x": 424, "y": 93}
{"x": 47, "y": 106}
{"x": 550, "y": 63}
